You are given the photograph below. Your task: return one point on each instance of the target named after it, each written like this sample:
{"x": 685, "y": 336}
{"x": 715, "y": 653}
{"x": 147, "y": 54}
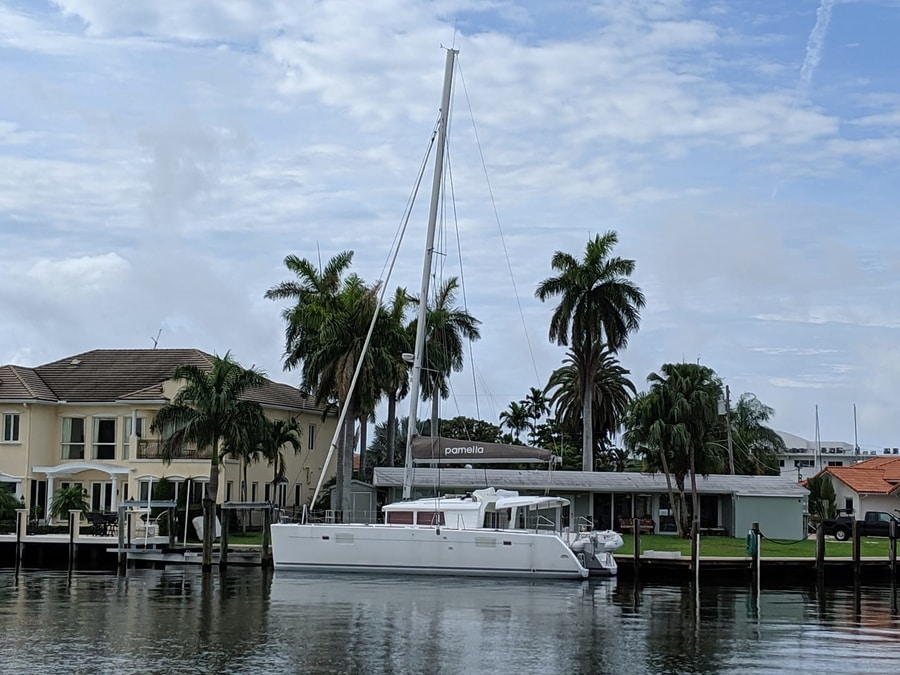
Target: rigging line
{"x": 411, "y": 199}
{"x": 462, "y": 282}
{"x": 499, "y": 226}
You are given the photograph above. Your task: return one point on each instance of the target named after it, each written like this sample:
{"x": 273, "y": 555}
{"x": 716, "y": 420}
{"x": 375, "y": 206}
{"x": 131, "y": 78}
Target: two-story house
{"x": 85, "y": 420}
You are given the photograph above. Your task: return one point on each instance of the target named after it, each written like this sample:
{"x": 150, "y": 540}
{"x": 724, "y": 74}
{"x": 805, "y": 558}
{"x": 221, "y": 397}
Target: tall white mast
{"x": 426, "y": 271}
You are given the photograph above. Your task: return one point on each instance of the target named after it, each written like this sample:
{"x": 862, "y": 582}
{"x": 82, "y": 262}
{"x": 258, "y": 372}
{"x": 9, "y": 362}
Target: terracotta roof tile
{"x": 879, "y": 475}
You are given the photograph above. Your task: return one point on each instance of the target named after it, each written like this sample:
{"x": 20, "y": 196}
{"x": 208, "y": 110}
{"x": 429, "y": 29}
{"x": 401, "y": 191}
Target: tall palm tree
{"x": 280, "y": 435}
{"x": 325, "y": 333}
{"x": 676, "y": 421}
{"x": 446, "y": 329}
{"x": 211, "y": 411}
{"x": 598, "y": 303}
{"x": 536, "y": 407}
{"x": 758, "y": 447}
{"x": 611, "y": 393}
{"x": 396, "y": 380}
{"x": 515, "y": 418}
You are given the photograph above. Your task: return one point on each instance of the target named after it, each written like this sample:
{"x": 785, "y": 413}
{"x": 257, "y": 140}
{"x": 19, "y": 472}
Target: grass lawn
{"x": 249, "y": 538}
{"x": 732, "y": 547}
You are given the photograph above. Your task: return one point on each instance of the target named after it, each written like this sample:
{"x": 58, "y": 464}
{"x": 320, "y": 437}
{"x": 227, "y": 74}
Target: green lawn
{"x": 731, "y": 547}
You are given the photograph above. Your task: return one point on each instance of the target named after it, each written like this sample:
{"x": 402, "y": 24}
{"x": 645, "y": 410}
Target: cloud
{"x": 159, "y": 160}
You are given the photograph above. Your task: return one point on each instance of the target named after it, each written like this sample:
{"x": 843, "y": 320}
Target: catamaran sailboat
{"x": 482, "y": 533}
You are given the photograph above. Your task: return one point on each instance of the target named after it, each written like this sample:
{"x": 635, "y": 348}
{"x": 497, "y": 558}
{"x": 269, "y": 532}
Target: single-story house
{"x": 728, "y": 504}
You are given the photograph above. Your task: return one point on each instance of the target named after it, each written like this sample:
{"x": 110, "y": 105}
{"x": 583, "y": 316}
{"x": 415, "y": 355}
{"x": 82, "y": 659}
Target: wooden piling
{"x": 74, "y": 524}
{"x": 265, "y": 555}
{"x": 121, "y": 555}
{"x": 695, "y": 550}
{"x": 223, "y": 541}
{"x": 754, "y": 553}
{"x": 820, "y": 553}
{"x": 637, "y": 549}
{"x": 857, "y": 565}
{"x": 892, "y": 549}
{"x": 21, "y": 529}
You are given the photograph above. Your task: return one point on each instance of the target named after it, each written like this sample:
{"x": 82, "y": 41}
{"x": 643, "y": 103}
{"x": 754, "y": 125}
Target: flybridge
{"x": 428, "y": 450}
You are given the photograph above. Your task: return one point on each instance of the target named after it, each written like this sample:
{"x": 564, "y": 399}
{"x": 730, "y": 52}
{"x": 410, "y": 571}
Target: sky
{"x": 158, "y": 161}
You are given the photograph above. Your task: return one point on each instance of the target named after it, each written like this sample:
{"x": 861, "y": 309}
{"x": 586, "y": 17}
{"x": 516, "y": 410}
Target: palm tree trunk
{"x": 209, "y": 511}
{"x": 435, "y": 420}
{"x": 671, "y": 493}
{"x": 345, "y": 462}
{"x": 391, "y": 427}
{"x": 696, "y": 496}
{"x": 363, "y": 429}
{"x": 587, "y": 429}
{"x": 244, "y": 487}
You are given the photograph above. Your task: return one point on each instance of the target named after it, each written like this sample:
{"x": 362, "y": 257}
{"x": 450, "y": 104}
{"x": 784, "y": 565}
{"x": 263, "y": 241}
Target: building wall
{"x": 40, "y": 444}
{"x": 778, "y": 517}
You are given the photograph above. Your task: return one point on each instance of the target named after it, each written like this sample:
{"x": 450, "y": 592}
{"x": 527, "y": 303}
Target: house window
{"x": 848, "y": 504}
{"x": 10, "y": 427}
{"x": 73, "y": 438}
{"x": 126, "y": 433}
{"x": 282, "y": 493}
{"x": 311, "y": 437}
{"x": 254, "y": 491}
{"x": 297, "y": 494}
{"x": 781, "y": 462}
{"x": 229, "y": 489}
{"x": 268, "y": 492}
{"x": 835, "y": 463}
{"x": 104, "y": 438}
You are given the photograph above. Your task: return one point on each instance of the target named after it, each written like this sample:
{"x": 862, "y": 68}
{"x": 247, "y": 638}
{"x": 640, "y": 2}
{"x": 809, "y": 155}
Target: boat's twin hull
{"x": 423, "y": 550}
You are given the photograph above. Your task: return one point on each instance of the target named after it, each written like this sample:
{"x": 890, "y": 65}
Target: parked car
{"x": 875, "y": 524}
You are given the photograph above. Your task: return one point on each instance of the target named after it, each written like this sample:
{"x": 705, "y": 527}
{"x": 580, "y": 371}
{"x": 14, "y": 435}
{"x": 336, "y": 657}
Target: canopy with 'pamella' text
{"x": 428, "y": 450}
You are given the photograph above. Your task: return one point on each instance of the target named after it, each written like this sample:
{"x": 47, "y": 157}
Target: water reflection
{"x": 249, "y": 621}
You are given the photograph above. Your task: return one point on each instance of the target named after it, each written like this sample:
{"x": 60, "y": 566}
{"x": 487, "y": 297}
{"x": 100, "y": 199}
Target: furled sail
{"x": 428, "y": 450}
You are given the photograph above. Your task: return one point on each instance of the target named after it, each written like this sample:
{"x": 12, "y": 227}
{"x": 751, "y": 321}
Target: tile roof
{"x": 107, "y": 375}
{"x": 17, "y": 382}
{"x": 879, "y": 475}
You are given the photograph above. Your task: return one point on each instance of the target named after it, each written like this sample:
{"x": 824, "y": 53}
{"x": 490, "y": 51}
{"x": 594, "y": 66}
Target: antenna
{"x": 156, "y": 339}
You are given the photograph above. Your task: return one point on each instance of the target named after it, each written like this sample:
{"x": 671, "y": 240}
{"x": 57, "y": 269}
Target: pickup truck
{"x": 875, "y": 524}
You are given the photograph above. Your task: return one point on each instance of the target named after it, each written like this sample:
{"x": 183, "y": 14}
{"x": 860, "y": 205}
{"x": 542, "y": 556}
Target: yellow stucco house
{"x": 85, "y": 420}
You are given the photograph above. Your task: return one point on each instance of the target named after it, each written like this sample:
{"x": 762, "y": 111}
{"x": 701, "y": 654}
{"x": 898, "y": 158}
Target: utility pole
{"x": 728, "y": 428}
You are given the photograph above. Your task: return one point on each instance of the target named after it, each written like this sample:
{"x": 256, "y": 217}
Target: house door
{"x": 101, "y": 496}
{"x": 38, "y": 498}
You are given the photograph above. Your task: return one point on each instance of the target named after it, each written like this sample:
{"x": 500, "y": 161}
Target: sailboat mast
{"x": 426, "y": 270}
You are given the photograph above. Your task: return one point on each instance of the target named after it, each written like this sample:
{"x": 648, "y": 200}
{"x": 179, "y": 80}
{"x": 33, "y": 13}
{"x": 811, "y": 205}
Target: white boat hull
{"x": 423, "y": 550}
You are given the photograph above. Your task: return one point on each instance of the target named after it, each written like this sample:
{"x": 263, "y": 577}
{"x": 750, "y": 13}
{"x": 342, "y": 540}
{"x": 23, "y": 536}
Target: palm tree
{"x": 675, "y": 422}
{"x": 611, "y": 392}
{"x": 536, "y": 407}
{"x": 325, "y": 333}
{"x": 515, "y": 418}
{"x": 8, "y": 503}
{"x": 280, "y": 435}
{"x": 396, "y": 380}
{"x": 446, "y": 327}
{"x": 69, "y": 498}
{"x": 597, "y": 304}
{"x": 210, "y": 411}
{"x": 758, "y": 447}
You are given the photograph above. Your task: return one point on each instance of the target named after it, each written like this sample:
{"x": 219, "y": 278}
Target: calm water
{"x": 247, "y": 622}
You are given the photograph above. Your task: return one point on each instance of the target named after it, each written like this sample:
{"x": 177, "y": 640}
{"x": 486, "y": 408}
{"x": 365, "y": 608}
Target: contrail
{"x": 815, "y": 45}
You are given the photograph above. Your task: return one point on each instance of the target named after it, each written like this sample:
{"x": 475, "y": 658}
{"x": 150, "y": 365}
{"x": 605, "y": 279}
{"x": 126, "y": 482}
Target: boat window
{"x": 399, "y": 517}
{"x": 431, "y": 518}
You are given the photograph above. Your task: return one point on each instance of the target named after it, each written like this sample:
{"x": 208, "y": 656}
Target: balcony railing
{"x": 152, "y": 449}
